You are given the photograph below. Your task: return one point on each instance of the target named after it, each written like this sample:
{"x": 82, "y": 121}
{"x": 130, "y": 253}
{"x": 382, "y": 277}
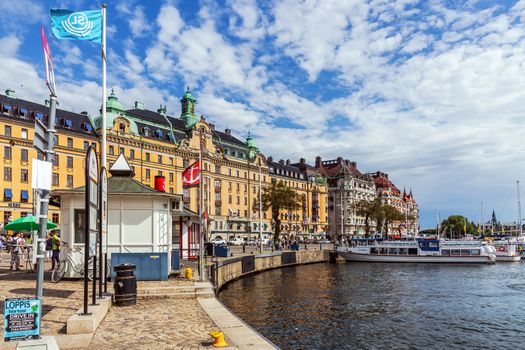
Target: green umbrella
{"x": 27, "y": 223}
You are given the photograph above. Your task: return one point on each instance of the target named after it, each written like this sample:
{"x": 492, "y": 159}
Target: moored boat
{"x": 506, "y": 251}
{"x": 418, "y": 250}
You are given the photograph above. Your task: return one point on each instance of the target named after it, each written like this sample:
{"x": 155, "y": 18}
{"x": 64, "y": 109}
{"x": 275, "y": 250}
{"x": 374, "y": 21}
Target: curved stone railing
{"x": 224, "y": 271}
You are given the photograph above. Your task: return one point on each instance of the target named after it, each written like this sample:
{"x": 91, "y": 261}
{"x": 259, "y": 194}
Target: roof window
{"x": 68, "y": 123}
{"x": 6, "y": 108}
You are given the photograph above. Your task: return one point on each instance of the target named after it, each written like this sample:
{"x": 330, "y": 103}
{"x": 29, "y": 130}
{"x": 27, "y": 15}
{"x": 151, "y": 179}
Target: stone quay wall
{"x": 230, "y": 269}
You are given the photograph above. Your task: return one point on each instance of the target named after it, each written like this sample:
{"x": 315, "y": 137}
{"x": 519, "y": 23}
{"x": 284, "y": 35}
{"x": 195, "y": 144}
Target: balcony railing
{"x": 218, "y": 203}
{"x": 218, "y": 189}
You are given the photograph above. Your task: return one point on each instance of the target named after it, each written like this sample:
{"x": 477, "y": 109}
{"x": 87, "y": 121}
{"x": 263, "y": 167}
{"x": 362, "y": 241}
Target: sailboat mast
{"x": 519, "y": 207}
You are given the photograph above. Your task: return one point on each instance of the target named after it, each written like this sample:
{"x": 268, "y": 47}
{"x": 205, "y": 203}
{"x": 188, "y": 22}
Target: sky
{"x": 431, "y": 92}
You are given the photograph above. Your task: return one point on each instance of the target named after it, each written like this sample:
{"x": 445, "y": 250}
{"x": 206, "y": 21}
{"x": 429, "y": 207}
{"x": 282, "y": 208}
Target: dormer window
{"x": 158, "y": 133}
{"x": 89, "y": 127}
{"x": 146, "y": 131}
{"x": 6, "y": 108}
{"x": 23, "y": 112}
{"x": 169, "y": 136}
{"x": 122, "y": 127}
{"x": 39, "y": 115}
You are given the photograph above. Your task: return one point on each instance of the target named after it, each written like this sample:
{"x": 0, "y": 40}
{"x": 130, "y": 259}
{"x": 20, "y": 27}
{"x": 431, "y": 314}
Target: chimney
{"x": 139, "y": 105}
{"x": 227, "y": 131}
{"x": 84, "y": 113}
{"x": 354, "y": 164}
{"x": 162, "y": 110}
{"x": 339, "y": 160}
{"x": 281, "y": 161}
{"x": 288, "y": 162}
{"x": 318, "y": 161}
{"x": 270, "y": 159}
{"x": 302, "y": 161}
{"x": 47, "y": 103}
{"x": 10, "y": 93}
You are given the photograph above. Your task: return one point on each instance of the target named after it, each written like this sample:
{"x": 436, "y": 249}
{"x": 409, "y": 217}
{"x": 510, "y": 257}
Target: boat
{"x": 418, "y": 250}
{"x": 506, "y": 250}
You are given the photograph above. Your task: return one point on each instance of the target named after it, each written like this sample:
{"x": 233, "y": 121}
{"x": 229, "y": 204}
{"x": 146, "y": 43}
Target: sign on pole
{"x": 91, "y": 218}
{"x": 39, "y": 141}
{"x": 22, "y": 318}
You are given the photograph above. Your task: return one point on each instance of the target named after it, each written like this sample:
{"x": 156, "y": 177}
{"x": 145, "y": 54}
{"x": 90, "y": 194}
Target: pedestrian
{"x": 55, "y": 257}
{"x": 3, "y": 243}
{"x": 15, "y": 251}
{"x": 49, "y": 246}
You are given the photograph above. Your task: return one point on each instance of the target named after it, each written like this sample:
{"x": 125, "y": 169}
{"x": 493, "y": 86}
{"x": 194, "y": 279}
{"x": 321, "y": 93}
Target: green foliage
{"x": 278, "y": 197}
{"x": 456, "y": 225}
{"x": 382, "y": 214}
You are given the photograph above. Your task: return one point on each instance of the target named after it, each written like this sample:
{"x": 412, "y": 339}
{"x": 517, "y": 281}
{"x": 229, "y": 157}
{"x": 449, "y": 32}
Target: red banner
{"x": 191, "y": 176}
{"x": 50, "y": 72}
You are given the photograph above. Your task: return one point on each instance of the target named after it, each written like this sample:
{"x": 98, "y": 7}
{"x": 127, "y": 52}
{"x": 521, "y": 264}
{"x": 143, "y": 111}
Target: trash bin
{"x": 222, "y": 251}
{"x": 208, "y": 248}
{"x": 125, "y": 285}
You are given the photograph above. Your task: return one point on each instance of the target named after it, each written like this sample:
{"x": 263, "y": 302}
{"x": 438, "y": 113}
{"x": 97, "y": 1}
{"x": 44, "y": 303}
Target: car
{"x": 251, "y": 242}
{"x": 235, "y": 241}
{"x": 218, "y": 241}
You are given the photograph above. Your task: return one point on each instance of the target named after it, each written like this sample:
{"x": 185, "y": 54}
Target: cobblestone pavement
{"x": 155, "y": 324}
{"x": 61, "y": 300}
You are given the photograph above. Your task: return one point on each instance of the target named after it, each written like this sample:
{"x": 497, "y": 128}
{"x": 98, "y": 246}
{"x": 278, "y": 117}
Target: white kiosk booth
{"x": 139, "y": 217}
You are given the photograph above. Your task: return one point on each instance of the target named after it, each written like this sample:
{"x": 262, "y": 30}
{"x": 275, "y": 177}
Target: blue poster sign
{"x": 22, "y": 318}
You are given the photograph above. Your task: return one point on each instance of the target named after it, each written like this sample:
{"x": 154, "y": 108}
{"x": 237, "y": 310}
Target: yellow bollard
{"x": 188, "y": 273}
{"x": 219, "y": 339}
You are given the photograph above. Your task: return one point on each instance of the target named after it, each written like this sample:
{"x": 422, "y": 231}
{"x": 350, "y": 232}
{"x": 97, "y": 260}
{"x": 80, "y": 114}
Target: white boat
{"x": 418, "y": 250}
{"x": 506, "y": 250}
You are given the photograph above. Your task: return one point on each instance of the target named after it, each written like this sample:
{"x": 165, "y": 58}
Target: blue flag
{"x": 82, "y": 25}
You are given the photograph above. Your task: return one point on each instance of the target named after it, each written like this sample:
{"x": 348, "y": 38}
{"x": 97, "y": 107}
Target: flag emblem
{"x": 191, "y": 176}
{"x": 81, "y": 25}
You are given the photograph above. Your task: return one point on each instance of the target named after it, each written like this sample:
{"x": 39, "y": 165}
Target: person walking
{"x": 55, "y": 246}
{"x": 15, "y": 251}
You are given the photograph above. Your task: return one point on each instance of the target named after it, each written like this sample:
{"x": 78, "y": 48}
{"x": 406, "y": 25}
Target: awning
{"x": 8, "y": 193}
{"x": 24, "y": 194}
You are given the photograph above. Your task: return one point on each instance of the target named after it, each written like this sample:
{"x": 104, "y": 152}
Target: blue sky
{"x": 431, "y": 92}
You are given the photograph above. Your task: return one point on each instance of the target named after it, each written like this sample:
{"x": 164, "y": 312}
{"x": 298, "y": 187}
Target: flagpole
{"x": 103, "y": 140}
{"x": 201, "y": 231}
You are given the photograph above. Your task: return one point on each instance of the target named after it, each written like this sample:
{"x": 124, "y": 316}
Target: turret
{"x": 188, "y": 115}
{"x": 252, "y": 147}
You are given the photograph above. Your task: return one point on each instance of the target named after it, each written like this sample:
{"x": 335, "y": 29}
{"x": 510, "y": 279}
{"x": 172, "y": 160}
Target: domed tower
{"x": 114, "y": 109}
{"x": 188, "y": 115}
{"x": 252, "y": 147}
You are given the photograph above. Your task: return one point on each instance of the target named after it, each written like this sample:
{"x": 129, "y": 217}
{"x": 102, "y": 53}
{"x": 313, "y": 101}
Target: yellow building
{"x": 157, "y": 144}
{"x": 310, "y": 218}
{"x": 74, "y": 135}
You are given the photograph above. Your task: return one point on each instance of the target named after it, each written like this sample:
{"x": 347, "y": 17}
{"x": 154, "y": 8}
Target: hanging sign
{"x": 22, "y": 318}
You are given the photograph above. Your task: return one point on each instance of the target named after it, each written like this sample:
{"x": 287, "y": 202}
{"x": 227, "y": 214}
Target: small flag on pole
{"x": 50, "y": 72}
{"x": 191, "y": 176}
{"x": 82, "y": 25}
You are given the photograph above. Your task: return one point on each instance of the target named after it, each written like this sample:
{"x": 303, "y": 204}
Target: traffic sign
{"x": 39, "y": 141}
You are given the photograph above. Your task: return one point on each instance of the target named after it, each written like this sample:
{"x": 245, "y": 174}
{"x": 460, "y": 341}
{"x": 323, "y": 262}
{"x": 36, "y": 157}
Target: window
{"x": 238, "y": 187}
{"x": 69, "y": 142}
{"x": 7, "y": 131}
{"x": 237, "y": 173}
{"x": 7, "y": 174}
{"x": 121, "y": 151}
{"x": 217, "y": 169}
{"x": 160, "y": 159}
{"x": 171, "y": 189}
{"x": 229, "y": 172}
{"x": 86, "y": 145}
{"x": 8, "y": 194}
{"x": 79, "y": 217}
{"x": 185, "y": 163}
{"x": 229, "y": 186}
{"x": 7, "y": 152}
{"x": 23, "y": 214}
{"x": 55, "y": 160}
{"x": 171, "y": 177}
{"x": 111, "y": 150}
{"x": 23, "y": 155}
{"x": 6, "y": 109}
{"x": 70, "y": 162}
{"x": 238, "y": 200}
{"x": 69, "y": 181}
{"x": 131, "y": 153}
{"x": 54, "y": 179}
{"x": 254, "y": 190}
{"x": 24, "y": 134}
{"x": 230, "y": 199}
{"x": 159, "y": 173}
{"x": 55, "y": 217}
{"x": 24, "y": 196}
{"x": 39, "y": 115}
{"x": 147, "y": 174}
{"x": 245, "y": 200}
{"x": 171, "y": 161}
{"x": 7, "y": 217}
{"x": 147, "y": 157}
{"x": 24, "y": 175}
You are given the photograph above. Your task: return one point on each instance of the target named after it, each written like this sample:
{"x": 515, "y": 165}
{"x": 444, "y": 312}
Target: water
{"x": 385, "y": 306}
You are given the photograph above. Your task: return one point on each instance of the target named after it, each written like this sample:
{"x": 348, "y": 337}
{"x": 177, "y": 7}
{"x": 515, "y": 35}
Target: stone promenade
{"x": 151, "y": 324}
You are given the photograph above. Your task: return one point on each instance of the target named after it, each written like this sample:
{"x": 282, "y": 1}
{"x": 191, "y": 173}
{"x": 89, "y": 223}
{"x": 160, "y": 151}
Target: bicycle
{"x": 58, "y": 273}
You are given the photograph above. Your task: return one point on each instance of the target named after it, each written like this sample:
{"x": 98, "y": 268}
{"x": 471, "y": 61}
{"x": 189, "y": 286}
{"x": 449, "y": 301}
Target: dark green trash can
{"x": 125, "y": 285}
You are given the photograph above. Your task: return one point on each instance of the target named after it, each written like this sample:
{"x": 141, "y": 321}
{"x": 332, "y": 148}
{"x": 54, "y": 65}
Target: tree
{"x": 456, "y": 225}
{"x": 368, "y": 209}
{"x": 391, "y": 214}
{"x": 278, "y": 197}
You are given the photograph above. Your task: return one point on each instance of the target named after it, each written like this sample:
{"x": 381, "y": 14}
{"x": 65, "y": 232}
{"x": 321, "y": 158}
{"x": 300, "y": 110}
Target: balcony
{"x": 218, "y": 203}
{"x": 218, "y": 189}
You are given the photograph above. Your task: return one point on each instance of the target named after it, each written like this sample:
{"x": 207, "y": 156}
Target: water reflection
{"x": 379, "y": 306}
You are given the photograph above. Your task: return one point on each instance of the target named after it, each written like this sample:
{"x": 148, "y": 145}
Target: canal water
{"x": 385, "y": 306}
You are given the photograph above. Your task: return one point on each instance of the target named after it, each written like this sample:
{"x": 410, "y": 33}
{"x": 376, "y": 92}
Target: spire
{"x": 252, "y": 147}
{"x": 188, "y": 115}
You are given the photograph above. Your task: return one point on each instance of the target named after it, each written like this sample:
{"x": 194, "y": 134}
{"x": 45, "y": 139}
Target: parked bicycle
{"x": 67, "y": 261}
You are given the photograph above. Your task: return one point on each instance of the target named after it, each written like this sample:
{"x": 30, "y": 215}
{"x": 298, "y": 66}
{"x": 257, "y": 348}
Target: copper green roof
{"x": 113, "y": 103}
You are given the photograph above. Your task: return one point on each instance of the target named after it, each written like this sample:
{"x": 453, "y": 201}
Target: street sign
{"x": 93, "y": 165}
{"x": 22, "y": 318}
{"x": 39, "y": 141}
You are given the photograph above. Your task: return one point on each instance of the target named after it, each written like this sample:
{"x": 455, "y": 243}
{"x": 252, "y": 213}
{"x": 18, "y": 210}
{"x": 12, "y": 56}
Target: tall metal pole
{"x": 406, "y": 219}
{"x": 342, "y": 217}
{"x": 439, "y": 224}
{"x": 519, "y": 207}
{"x": 103, "y": 126}
{"x": 482, "y": 223}
{"x": 201, "y": 231}
{"x": 260, "y": 208}
{"x": 44, "y": 199}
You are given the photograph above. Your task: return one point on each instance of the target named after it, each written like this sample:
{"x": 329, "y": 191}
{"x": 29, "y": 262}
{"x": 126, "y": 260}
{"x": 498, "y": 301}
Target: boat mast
{"x": 439, "y": 224}
{"x": 519, "y": 207}
{"x": 483, "y": 225}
